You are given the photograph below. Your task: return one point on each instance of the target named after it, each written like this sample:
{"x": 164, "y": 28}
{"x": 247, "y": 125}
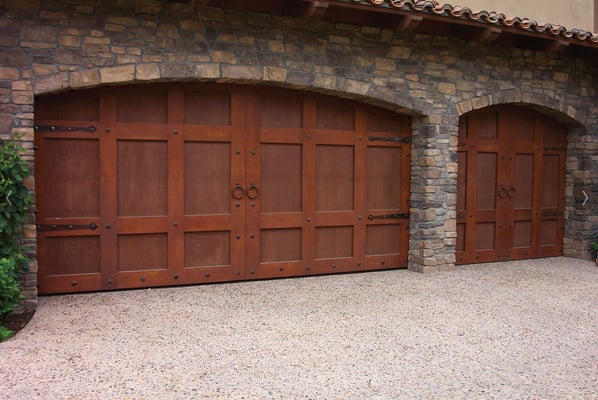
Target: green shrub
{"x": 15, "y": 201}
{"x": 594, "y": 245}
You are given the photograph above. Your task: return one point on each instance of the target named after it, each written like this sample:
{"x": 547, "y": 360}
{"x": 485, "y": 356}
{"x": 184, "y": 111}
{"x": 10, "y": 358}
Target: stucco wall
{"x": 570, "y": 13}
{"x": 58, "y": 46}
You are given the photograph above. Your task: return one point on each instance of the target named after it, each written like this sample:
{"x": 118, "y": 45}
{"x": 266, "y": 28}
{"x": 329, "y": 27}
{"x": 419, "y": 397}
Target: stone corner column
{"x": 432, "y": 224}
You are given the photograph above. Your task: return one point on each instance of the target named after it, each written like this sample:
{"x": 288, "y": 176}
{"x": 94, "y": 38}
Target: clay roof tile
{"x": 490, "y": 17}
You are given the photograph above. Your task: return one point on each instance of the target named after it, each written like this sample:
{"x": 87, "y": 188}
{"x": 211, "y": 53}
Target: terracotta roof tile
{"x": 489, "y": 17}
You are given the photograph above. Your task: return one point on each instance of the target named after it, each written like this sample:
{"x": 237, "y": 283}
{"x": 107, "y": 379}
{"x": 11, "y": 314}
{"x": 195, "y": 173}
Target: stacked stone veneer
{"x": 54, "y": 45}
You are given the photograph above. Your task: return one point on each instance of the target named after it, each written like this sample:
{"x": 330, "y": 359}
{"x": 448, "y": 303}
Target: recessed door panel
{"x": 207, "y": 249}
{"x": 73, "y": 178}
{"x": 335, "y": 178}
{"x": 334, "y": 242}
{"x": 72, "y": 255}
{"x": 280, "y": 245}
{"x": 485, "y": 184}
{"x": 281, "y": 177}
{"x": 140, "y": 252}
{"x": 384, "y": 178}
{"x": 207, "y": 178}
{"x": 142, "y": 178}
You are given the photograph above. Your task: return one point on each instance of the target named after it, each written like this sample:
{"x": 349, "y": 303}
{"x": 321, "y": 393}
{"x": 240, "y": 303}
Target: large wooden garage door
{"x": 510, "y": 186}
{"x": 172, "y": 184}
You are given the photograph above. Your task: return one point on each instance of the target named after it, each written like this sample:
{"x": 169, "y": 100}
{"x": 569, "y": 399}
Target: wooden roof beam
{"x": 316, "y": 9}
{"x": 408, "y": 23}
{"x": 487, "y": 35}
{"x": 557, "y": 46}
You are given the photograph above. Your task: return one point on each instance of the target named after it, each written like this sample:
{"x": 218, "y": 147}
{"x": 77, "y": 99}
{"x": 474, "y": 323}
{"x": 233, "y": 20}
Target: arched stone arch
{"x": 359, "y": 90}
{"x": 558, "y": 109}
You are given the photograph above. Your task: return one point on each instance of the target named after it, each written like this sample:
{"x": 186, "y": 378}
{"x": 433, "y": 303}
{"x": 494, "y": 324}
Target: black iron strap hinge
{"x": 394, "y": 139}
{"x": 389, "y": 216}
{"x": 57, "y": 129}
{"x": 66, "y": 227}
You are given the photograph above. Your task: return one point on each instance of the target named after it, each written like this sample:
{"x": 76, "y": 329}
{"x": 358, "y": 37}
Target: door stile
{"x": 506, "y": 144}
{"x": 308, "y": 181}
{"x": 108, "y": 236}
{"x": 238, "y": 207}
{"x": 176, "y": 186}
{"x": 360, "y": 189}
{"x": 251, "y": 233}
{"x": 462, "y": 251}
{"x": 538, "y": 178}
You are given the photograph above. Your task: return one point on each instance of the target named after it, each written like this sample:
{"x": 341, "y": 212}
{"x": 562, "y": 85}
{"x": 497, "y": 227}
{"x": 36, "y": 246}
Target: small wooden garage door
{"x": 510, "y": 185}
{"x": 177, "y": 184}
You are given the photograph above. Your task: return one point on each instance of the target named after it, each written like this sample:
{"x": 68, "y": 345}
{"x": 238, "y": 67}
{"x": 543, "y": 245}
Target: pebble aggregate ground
{"x": 514, "y": 330}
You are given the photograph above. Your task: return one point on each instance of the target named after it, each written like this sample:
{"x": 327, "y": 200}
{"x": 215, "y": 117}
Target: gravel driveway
{"x": 518, "y": 330}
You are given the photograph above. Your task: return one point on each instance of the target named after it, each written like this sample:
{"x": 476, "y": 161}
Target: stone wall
{"x": 55, "y": 45}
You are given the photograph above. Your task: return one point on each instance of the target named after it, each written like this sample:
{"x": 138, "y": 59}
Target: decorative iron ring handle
{"x": 238, "y": 192}
{"x": 511, "y": 192}
{"x": 502, "y": 192}
{"x": 253, "y": 192}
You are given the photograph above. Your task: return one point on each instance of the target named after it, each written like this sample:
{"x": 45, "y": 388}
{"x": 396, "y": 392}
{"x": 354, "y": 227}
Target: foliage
{"x": 5, "y": 333}
{"x": 9, "y": 283}
{"x": 594, "y": 244}
{"x": 15, "y": 201}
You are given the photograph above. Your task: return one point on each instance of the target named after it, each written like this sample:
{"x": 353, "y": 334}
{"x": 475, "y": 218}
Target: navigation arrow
{"x": 586, "y": 198}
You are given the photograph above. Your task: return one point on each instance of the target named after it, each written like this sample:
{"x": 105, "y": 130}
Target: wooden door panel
{"x": 335, "y": 178}
{"x": 522, "y": 190}
{"x": 483, "y": 125}
{"x": 550, "y": 187}
{"x": 383, "y": 239}
{"x": 208, "y": 107}
{"x": 72, "y": 107}
{"x": 147, "y": 107}
{"x": 283, "y": 244}
{"x": 486, "y": 184}
{"x": 142, "y": 178}
{"x": 139, "y": 252}
{"x": 207, "y": 169}
{"x": 281, "y": 111}
{"x": 72, "y": 255}
{"x": 332, "y": 115}
{"x": 72, "y": 170}
{"x": 384, "y": 175}
{"x": 281, "y": 178}
{"x": 334, "y": 242}
{"x": 207, "y": 249}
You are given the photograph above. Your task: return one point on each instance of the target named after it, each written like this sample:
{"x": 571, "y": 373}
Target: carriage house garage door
{"x": 511, "y": 185}
{"x": 143, "y": 186}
